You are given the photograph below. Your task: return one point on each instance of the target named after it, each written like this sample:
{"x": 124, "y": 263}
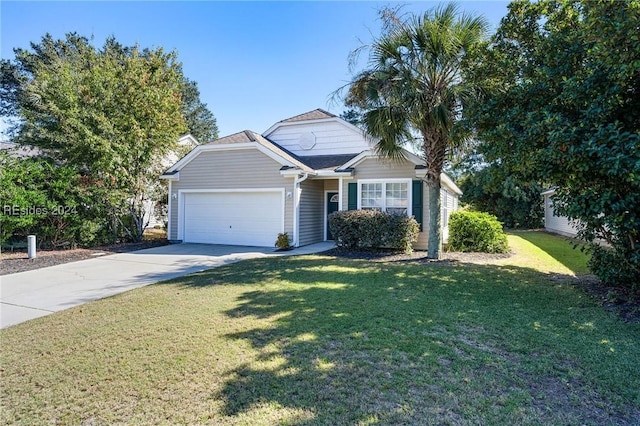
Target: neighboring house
{"x": 154, "y": 217}
{"x": 18, "y": 151}
{"x": 245, "y": 188}
{"x": 556, "y": 224}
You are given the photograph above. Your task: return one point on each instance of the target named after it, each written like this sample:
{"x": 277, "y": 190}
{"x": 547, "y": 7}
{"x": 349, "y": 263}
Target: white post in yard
{"x": 31, "y": 246}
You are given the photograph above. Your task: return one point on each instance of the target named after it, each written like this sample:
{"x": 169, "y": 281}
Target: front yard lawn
{"x": 325, "y": 340}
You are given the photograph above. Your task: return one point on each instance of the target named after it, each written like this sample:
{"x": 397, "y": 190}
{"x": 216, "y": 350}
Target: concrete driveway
{"x": 33, "y": 294}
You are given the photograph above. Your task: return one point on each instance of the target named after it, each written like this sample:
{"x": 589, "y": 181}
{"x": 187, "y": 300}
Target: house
{"x": 18, "y": 151}
{"x": 245, "y": 188}
{"x": 153, "y": 216}
{"x": 556, "y": 224}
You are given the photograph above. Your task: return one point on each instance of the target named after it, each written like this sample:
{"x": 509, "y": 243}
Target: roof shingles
{"x": 319, "y": 162}
{"x": 316, "y": 114}
{"x": 240, "y": 137}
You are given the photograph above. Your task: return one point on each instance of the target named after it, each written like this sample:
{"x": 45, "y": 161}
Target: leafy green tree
{"x": 47, "y": 199}
{"x": 200, "y": 122}
{"x": 352, "y": 116}
{"x": 413, "y": 88}
{"x": 563, "y": 105}
{"x": 18, "y": 192}
{"x": 512, "y": 198}
{"x": 113, "y": 113}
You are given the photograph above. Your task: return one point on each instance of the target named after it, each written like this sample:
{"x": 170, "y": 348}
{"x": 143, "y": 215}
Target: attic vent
{"x": 307, "y": 140}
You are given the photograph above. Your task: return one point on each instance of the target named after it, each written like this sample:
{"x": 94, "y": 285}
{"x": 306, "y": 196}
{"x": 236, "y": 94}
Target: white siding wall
{"x": 448, "y": 204}
{"x": 331, "y": 138}
{"x": 243, "y": 168}
{"x": 556, "y": 224}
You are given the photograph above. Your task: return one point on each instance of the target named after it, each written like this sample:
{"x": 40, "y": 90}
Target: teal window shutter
{"x": 352, "y": 196}
{"x": 416, "y": 203}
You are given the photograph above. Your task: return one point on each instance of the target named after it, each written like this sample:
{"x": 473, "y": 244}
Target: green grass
{"x": 320, "y": 340}
{"x": 553, "y": 250}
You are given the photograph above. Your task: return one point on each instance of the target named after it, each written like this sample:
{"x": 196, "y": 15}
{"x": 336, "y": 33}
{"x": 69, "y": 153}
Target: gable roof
{"x": 322, "y": 164}
{"x": 409, "y": 156}
{"x": 245, "y": 136}
{"x": 244, "y": 139}
{"x": 316, "y": 114}
{"x": 187, "y": 139}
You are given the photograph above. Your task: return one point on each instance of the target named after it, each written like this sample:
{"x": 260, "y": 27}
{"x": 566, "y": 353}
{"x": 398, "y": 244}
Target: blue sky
{"x": 255, "y": 62}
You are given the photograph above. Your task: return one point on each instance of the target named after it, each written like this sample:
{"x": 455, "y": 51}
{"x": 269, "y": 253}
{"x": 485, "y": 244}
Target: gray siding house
{"x": 245, "y": 188}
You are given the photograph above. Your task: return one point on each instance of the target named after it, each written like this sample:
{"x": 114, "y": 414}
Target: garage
{"x": 246, "y": 217}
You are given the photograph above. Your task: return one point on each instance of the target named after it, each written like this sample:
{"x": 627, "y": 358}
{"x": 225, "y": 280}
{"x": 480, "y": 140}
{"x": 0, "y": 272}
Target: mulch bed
{"x": 11, "y": 263}
{"x": 416, "y": 256}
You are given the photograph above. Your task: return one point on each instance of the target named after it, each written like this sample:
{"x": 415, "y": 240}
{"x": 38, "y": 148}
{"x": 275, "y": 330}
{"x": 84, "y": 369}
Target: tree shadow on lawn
{"x": 352, "y": 341}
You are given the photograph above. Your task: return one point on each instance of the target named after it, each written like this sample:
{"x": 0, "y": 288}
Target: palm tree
{"x": 412, "y": 90}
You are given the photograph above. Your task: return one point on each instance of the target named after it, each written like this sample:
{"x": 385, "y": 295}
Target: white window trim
{"x": 384, "y": 183}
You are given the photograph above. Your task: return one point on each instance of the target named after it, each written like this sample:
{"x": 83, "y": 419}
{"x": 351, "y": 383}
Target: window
{"x": 371, "y": 196}
{"x": 389, "y": 196}
{"x": 397, "y": 200}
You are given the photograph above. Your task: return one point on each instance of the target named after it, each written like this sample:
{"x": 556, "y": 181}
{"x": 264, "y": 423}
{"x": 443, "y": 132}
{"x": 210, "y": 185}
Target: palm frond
{"x": 413, "y": 82}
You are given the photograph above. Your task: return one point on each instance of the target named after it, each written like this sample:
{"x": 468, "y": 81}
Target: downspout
{"x": 296, "y": 207}
{"x": 340, "y": 183}
{"x": 169, "y": 211}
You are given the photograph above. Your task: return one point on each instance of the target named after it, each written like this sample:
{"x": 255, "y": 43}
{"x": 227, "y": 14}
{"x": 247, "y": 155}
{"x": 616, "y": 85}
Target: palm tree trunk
{"x": 435, "y": 142}
{"x": 434, "y": 241}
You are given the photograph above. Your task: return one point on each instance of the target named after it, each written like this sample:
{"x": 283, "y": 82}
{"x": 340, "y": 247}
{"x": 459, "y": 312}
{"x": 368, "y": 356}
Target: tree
{"x": 352, "y": 116}
{"x": 563, "y": 105}
{"x": 200, "y": 122}
{"x": 413, "y": 88}
{"x": 514, "y": 199}
{"x": 47, "y": 199}
{"x": 113, "y": 113}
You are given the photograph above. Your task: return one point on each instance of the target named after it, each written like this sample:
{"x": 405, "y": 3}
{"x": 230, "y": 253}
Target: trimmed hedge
{"x": 371, "y": 230}
{"x": 476, "y": 232}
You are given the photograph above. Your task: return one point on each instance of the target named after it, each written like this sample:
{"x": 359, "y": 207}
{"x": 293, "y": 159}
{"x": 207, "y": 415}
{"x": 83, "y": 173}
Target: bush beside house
{"x": 476, "y": 232}
{"x": 372, "y": 230}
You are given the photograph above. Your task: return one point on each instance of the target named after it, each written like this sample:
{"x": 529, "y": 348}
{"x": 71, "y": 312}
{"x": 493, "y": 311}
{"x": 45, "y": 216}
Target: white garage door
{"x": 237, "y": 218}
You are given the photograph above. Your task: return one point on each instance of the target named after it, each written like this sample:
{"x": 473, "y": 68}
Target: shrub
{"x": 614, "y": 269}
{"x": 476, "y": 232}
{"x": 283, "y": 242}
{"x": 93, "y": 232}
{"x": 371, "y": 230}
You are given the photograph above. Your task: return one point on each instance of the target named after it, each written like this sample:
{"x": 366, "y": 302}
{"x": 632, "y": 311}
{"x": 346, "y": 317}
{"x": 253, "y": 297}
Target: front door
{"x": 332, "y": 206}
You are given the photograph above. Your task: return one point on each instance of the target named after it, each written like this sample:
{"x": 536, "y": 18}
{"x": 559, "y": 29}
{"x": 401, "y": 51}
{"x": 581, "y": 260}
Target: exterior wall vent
{"x": 307, "y": 141}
